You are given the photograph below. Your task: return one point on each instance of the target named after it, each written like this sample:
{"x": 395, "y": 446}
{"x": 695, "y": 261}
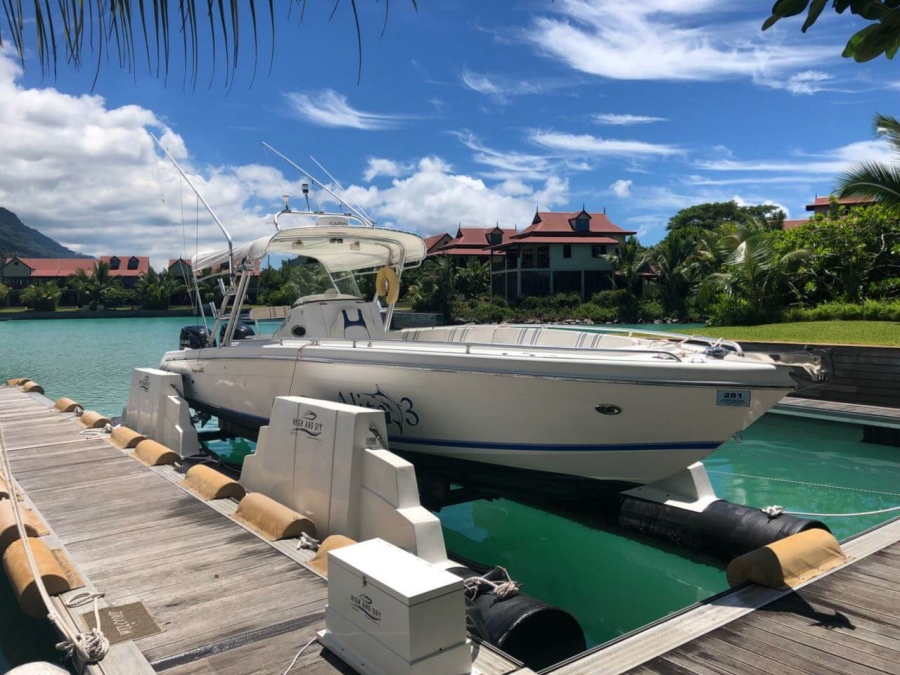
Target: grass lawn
{"x": 828, "y": 332}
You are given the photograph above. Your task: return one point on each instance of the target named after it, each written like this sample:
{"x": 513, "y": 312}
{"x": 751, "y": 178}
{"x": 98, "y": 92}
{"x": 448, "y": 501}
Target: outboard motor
{"x": 193, "y": 337}
{"x": 241, "y": 332}
{"x": 536, "y": 633}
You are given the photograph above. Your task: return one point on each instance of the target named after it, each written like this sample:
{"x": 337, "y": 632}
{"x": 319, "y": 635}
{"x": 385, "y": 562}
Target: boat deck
{"x": 228, "y": 601}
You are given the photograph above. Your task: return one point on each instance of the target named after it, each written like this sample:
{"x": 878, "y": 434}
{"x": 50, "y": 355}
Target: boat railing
{"x": 670, "y": 336}
{"x": 486, "y": 349}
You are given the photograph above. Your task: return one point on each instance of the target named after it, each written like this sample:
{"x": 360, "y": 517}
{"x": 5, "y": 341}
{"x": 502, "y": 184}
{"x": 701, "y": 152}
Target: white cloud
{"x": 434, "y": 198}
{"x": 805, "y": 82}
{"x": 379, "y": 166}
{"x": 830, "y": 162}
{"x": 591, "y": 145}
{"x": 328, "y": 108}
{"x": 501, "y": 88}
{"x": 616, "y": 119}
{"x": 664, "y": 40}
{"x": 622, "y": 188}
{"x": 503, "y": 164}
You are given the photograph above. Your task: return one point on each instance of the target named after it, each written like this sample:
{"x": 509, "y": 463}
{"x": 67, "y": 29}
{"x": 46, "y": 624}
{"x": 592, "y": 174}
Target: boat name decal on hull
{"x": 399, "y": 413}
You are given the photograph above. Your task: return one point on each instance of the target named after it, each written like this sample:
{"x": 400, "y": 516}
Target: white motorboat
{"x": 603, "y": 404}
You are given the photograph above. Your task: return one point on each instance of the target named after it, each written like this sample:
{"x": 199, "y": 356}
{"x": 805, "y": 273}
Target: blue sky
{"x": 466, "y": 112}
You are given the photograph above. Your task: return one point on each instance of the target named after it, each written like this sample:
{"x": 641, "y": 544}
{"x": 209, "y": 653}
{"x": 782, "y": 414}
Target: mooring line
{"x": 800, "y": 482}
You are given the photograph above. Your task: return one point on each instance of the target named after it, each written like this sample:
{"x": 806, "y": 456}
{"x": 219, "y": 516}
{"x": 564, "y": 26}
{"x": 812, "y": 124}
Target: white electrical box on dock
{"x": 392, "y": 613}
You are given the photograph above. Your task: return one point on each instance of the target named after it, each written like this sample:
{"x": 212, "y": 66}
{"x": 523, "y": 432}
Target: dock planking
{"x": 856, "y": 413}
{"x": 228, "y": 601}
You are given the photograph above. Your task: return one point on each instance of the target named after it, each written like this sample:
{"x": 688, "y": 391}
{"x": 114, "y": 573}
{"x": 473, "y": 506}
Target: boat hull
{"x": 588, "y": 427}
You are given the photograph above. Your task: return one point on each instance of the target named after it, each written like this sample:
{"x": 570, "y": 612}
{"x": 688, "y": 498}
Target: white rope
{"x": 502, "y": 589}
{"x": 85, "y": 648}
{"x": 775, "y": 511}
{"x": 308, "y": 542}
{"x": 294, "y": 662}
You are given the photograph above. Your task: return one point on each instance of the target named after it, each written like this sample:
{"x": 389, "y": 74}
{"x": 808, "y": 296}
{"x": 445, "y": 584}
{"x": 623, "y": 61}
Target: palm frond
{"x": 872, "y": 179}
{"x": 119, "y": 27}
{"x": 886, "y": 126}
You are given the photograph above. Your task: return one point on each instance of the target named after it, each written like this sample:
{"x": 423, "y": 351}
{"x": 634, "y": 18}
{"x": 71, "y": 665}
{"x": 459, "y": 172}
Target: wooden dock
{"x": 834, "y": 411}
{"x": 228, "y": 601}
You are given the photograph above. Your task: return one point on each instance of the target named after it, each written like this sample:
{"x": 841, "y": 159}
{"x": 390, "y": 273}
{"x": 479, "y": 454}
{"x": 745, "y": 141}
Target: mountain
{"x": 16, "y": 238}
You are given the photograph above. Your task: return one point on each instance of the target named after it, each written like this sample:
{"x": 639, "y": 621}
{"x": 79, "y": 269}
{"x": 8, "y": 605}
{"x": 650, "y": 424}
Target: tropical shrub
{"x": 155, "y": 289}
{"x": 650, "y": 310}
{"x": 729, "y": 310}
{"x": 4, "y": 294}
{"x": 42, "y": 297}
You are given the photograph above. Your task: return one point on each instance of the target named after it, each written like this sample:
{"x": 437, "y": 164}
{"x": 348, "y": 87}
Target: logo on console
{"x": 308, "y": 424}
{"x": 363, "y": 603}
{"x": 144, "y": 383}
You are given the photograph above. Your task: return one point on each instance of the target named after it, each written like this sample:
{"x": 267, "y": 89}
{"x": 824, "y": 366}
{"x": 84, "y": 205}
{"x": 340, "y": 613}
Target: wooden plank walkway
{"x": 853, "y": 413}
{"x": 228, "y": 601}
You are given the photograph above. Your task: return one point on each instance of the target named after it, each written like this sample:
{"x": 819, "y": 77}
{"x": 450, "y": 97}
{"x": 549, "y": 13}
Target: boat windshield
{"x": 303, "y": 277}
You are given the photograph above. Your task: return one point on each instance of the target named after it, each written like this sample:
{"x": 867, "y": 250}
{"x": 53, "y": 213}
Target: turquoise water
{"x": 611, "y": 584}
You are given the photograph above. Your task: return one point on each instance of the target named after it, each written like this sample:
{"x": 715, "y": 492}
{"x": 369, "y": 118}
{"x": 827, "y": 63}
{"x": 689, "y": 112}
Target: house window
{"x": 495, "y": 238}
{"x": 113, "y": 263}
{"x": 543, "y": 256}
{"x": 582, "y": 224}
{"x": 512, "y": 258}
{"x": 133, "y": 263}
{"x": 598, "y": 250}
{"x": 527, "y": 258}
{"x": 567, "y": 250}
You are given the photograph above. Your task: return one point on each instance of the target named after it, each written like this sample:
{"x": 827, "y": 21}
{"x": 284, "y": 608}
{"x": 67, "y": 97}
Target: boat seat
{"x": 350, "y": 324}
{"x": 615, "y": 341}
{"x": 269, "y": 313}
{"x": 482, "y": 335}
{"x": 559, "y": 338}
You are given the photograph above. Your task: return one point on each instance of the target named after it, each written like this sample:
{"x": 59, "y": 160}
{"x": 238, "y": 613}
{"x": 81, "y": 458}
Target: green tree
{"x": 878, "y": 180}
{"x": 711, "y": 215}
{"x": 629, "y": 261}
{"x": 848, "y": 254}
{"x": 155, "y": 289}
{"x": 42, "y": 297}
{"x": 472, "y": 281}
{"x": 91, "y": 285}
{"x": 881, "y": 36}
{"x": 671, "y": 259}
{"x": 753, "y": 272}
{"x": 4, "y": 293}
{"x": 433, "y": 290}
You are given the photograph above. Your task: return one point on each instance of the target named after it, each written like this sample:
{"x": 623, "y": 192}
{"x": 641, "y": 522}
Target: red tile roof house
{"x": 470, "y": 243}
{"x": 822, "y": 206}
{"x": 557, "y": 253}
{"x": 19, "y": 273}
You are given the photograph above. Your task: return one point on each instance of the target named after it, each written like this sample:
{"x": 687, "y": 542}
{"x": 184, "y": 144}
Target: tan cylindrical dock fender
{"x": 65, "y": 405}
{"x": 207, "y": 483}
{"x": 788, "y": 562}
{"x": 151, "y": 453}
{"x": 30, "y": 387}
{"x": 8, "y": 530}
{"x": 272, "y": 520}
{"x": 92, "y": 420}
{"x": 319, "y": 562}
{"x": 17, "y": 381}
{"x": 124, "y": 438}
{"x": 15, "y": 564}
{"x": 5, "y": 490}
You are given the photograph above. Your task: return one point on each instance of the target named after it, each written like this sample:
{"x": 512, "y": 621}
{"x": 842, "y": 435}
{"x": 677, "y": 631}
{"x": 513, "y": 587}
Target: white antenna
{"x": 317, "y": 182}
{"x": 346, "y": 195}
{"x": 202, "y": 201}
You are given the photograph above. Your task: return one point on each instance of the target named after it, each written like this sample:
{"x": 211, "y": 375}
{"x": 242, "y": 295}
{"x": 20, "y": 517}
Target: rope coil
{"x": 503, "y": 589}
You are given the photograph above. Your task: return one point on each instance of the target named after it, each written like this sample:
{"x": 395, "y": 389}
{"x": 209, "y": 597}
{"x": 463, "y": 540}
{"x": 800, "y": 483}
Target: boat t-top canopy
{"x": 333, "y": 241}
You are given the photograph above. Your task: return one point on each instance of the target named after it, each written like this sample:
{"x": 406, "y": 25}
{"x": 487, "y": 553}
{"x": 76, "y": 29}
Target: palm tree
{"x": 155, "y": 289}
{"x": 752, "y": 271}
{"x": 119, "y": 27}
{"x": 670, "y": 257}
{"x": 877, "y": 180}
{"x": 629, "y": 261}
{"x": 92, "y": 284}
